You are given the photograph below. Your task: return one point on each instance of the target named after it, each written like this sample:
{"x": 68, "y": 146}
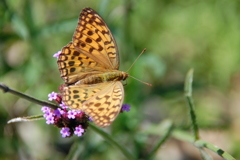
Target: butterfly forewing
{"x": 93, "y": 38}
{"x": 74, "y": 65}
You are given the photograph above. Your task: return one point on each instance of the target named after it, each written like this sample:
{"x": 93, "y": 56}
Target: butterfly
{"x": 89, "y": 67}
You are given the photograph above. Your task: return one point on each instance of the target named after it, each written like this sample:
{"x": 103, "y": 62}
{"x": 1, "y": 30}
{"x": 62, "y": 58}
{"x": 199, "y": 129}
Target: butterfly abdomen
{"x": 104, "y": 77}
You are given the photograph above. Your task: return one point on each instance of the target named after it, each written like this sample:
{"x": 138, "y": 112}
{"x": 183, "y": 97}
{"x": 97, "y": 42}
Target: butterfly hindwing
{"x": 105, "y": 106}
{"x": 75, "y": 95}
{"x": 102, "y": 102}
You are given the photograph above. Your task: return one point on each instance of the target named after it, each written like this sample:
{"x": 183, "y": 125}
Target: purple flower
{"x": 50, "y": 119}
{"x": 48, "y": 114}
{"x": 125, "y": 107}
{"x": 52, "y": 96}
{"x": 57, "y": 54}
{"x": 64, "y": 118}
{"x": 72, "y": 114}
{"x": 63, "y": 106}
{"x": 90, "y": 119}
{"x": 79, "y": 131}
{"x": 65, "y": 131}
{"x": 45, "y": 109}
{"x": 58, "y": 112}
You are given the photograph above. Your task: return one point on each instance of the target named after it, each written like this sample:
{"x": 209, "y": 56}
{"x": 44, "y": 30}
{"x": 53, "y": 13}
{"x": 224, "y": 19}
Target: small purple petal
{"x": 90, "y": 119}
{"x": 63, "y": 106}
{"x": 65, "y": 131}
{"x": 57, "y": 54}
{"x": 125, "y": 107}
{"x": 52, "y": 96}
{"x": 57, "y": 112}
{"x": 79, "y": 131}
{"x": 63, "y": 111}
{"x": 78, "y": 112}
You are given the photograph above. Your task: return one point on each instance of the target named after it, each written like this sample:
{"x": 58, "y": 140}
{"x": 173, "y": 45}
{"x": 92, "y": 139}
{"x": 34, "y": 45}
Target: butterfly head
{"x": 125, "y": 75}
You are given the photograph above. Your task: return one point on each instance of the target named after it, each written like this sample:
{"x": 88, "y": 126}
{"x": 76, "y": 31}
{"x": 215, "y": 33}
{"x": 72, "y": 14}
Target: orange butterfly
{"x": 89, "y": 67}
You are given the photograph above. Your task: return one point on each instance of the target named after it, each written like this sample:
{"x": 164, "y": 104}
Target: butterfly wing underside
{"x": 102, "y": 102}
{"x": 92, "y": 51}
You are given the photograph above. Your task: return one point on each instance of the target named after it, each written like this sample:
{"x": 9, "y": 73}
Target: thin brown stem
{"x": 6, "y": 89}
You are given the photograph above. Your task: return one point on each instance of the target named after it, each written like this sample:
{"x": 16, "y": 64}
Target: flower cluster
{"x": 70, "y": 121}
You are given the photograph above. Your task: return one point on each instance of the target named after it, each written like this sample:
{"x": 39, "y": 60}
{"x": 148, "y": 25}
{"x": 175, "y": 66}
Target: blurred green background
{"x": 178, "y": 35}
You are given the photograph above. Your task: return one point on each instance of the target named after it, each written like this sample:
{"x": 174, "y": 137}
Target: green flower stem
{"x": 6, "y": 89}
{"x": 188, "y": 95}
{"x": 196, "y": 139}
{"x": 187, "y": 137}
{"x": 219, "y": 151}
{"x": 26, "y": 119}
{"x": 112, "y": 141}
{"x": 193, "y": 117}
{"x": 204, "y": 154}
{"x": 184, "y": 136}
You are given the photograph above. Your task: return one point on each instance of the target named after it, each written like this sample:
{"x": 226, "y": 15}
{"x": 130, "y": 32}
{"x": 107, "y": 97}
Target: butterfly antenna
{"x": 141, "y": 81}
{"x": 136, "y": 59}
{"x": 134, "y": 63}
